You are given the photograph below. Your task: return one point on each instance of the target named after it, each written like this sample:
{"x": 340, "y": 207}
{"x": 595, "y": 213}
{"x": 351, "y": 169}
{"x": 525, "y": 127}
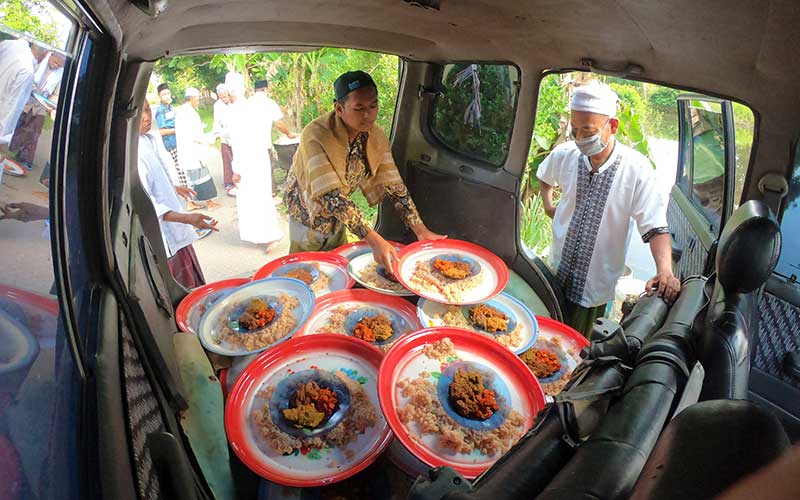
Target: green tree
{"x": 21, "y": 15}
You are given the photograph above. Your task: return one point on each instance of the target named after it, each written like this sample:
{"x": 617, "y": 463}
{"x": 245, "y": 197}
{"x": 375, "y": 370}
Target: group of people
{"x": 173, "y": 167}
{"x": 31, "y": 78}
{"x": 604, "y": 186}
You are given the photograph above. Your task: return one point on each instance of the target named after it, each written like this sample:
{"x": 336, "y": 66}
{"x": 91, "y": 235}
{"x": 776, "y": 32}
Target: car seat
{"x": 747, "y": 253}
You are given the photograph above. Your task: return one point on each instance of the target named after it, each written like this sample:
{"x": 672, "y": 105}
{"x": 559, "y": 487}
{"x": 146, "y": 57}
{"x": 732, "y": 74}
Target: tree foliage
{"x": 22, "y": 16}
{"x": 474, "y": 114}
{"x": 301, "y": 82}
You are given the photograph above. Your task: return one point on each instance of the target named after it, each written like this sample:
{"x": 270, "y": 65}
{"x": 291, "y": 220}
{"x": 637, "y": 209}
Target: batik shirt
{"x": 336, "y": 209}
{"x": 592, "y": 222}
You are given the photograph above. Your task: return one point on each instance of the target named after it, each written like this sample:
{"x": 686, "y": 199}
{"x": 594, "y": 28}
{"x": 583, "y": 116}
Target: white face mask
{"x": 593, "y": 145}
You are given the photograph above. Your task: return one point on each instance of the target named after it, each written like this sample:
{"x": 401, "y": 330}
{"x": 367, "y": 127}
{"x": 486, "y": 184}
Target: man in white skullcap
{"x": 222, "y": 130}
{"x": 192, "y": 151}
{"x": 604, "y": 185}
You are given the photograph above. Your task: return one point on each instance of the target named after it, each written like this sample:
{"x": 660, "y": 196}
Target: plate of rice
{"x": 256, "y": 316}
{"x": 455, "y": 398}
{"x": 369, "y": 274}
{"x": 503, "y": 319}
{"x": 324, "y": 272}
{"x": 306, "y": 413}
{"x": 195, "y": 304}
{"x": 352, "y": 250}
{"x": 370, "y": 316}
{"x": 554, "y": 355}
{"x": 451, "y": 271}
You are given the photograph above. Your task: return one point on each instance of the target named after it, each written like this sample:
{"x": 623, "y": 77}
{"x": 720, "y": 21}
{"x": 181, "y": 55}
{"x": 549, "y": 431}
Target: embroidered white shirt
{"x": 592, "y": 222}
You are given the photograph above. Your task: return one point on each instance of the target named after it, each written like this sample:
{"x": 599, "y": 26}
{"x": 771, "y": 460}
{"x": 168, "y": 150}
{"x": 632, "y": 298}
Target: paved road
{"x": 223, "y": 255}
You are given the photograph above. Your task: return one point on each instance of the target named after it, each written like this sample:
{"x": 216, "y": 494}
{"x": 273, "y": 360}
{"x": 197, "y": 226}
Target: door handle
{"x": 677, "y": 250}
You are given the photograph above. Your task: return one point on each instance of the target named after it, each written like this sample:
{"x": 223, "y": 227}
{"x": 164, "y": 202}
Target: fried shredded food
{"x": 489, "y": 318}
{"x": 373, "y": 328}
{"x": 543, "y": 363}
{"x": 453, "y": 270}
{"x": 311, "y": 406}
{"x": 301, "y": 274}
{"x": 470, "y": 397}
{"x": 257, "y": 315}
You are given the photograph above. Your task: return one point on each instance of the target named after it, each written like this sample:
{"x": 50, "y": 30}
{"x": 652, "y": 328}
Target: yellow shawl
{"x": 321, "y": 161}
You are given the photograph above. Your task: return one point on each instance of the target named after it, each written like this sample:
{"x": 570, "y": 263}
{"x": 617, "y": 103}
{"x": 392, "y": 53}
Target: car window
{"x": 789, "y": 263}
{"x": 708, "y": 157}
{"x": 474, "y": 113}
{"x": 39, "y": 392}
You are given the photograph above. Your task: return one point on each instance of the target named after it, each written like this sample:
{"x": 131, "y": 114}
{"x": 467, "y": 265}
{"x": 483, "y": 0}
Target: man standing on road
{"x": 251, "y": 125}
{"x": 604, "y": 185}
{"x": 46, "y": 82}
{"x": 178, "y": 229}
{"x": 221, "y": 130}
{"x": 18, "y": 62}
{"x": 192, "y": 149}
{"x": 165, "y": 119}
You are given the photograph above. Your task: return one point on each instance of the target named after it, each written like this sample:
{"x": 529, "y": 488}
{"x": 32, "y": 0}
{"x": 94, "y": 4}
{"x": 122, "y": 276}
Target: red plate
{"x": 401, "y": 312}
{"x": 18, "y": 296}
{"x": 338, "y": 353}
{"x": 333, "y": 265}
{"x": 406, "y": 360}
{"x": 495, "y": 271}
{"x": 350, "y": 250}
{"x": 14, "y": 169}
{"x": 566, "y": 343}
{"x": 192, "y": 307}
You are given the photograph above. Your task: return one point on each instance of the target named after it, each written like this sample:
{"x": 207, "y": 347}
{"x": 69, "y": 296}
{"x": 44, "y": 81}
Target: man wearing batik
{"x": 604, "y": 185}
{"x": 340, "y": 152}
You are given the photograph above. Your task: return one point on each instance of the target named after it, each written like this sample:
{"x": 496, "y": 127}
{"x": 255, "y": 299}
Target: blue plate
{"x": 225, "y": 310}
{"x": 399, "y": 324}
{"x": 284, "y": 394}
{"x": 491, "y": 382}
{"x": 473, "y": 264}
{"x": 512, "y": 319}
{"x": 233, "y": 322}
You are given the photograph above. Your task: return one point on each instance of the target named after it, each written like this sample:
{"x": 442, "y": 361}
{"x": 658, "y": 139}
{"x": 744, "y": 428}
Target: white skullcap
{"x": 595, "y": 98}
{"x": 234, "y": 82}
{"x": 192, "y": 92}
{"x": 221, "y": 88}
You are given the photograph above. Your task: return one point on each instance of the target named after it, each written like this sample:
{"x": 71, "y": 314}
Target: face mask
{"x": 593, "y": 145}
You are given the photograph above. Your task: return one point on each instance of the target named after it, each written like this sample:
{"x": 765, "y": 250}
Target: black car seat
{"x": 707, "y": 448}
{"x": 747, "y": 253}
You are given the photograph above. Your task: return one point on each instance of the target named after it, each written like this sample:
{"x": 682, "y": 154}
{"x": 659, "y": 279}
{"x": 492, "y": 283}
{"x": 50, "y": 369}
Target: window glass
{"x": 474, "y": 114}
{"x": 686, "y": 161}
{"x": 39, "y": 391}
{"x": 789, "y": 263}
{"x": 744, "y": 128}
{"x": 708, "y": 157}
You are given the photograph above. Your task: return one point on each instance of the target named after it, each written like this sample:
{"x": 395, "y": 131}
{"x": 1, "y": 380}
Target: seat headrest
{"x": 748, "y": 248}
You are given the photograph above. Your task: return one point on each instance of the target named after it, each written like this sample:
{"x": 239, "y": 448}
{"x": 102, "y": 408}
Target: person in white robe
{"x": 192, "y": 150}
{"x": 250, "y": 129}
{"x": 604, "y": 185}
{"x": 42, "y": 102}
{"x": 18, "y": 63}
{"x": 178, "y": 229}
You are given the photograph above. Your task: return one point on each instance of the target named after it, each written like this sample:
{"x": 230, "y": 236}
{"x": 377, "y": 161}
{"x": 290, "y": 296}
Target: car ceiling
{"x": 747, "y": 50}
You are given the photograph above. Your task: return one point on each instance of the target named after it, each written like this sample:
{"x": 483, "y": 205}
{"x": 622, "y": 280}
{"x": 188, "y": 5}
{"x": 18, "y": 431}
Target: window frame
{"x": 429, "y": 131}
{"x": 729, "y": 176}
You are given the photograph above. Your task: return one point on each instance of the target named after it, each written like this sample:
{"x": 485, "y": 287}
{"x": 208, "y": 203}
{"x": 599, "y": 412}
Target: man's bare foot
{"x": 212, "y": 205}
{"x": 272, "y": 246}
{"x": 190, "y": 205}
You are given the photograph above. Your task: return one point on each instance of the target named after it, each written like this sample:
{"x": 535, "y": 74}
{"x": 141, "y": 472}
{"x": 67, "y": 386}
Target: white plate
{"x": 359, "y": 263}
{"x": 429, "y": 313}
